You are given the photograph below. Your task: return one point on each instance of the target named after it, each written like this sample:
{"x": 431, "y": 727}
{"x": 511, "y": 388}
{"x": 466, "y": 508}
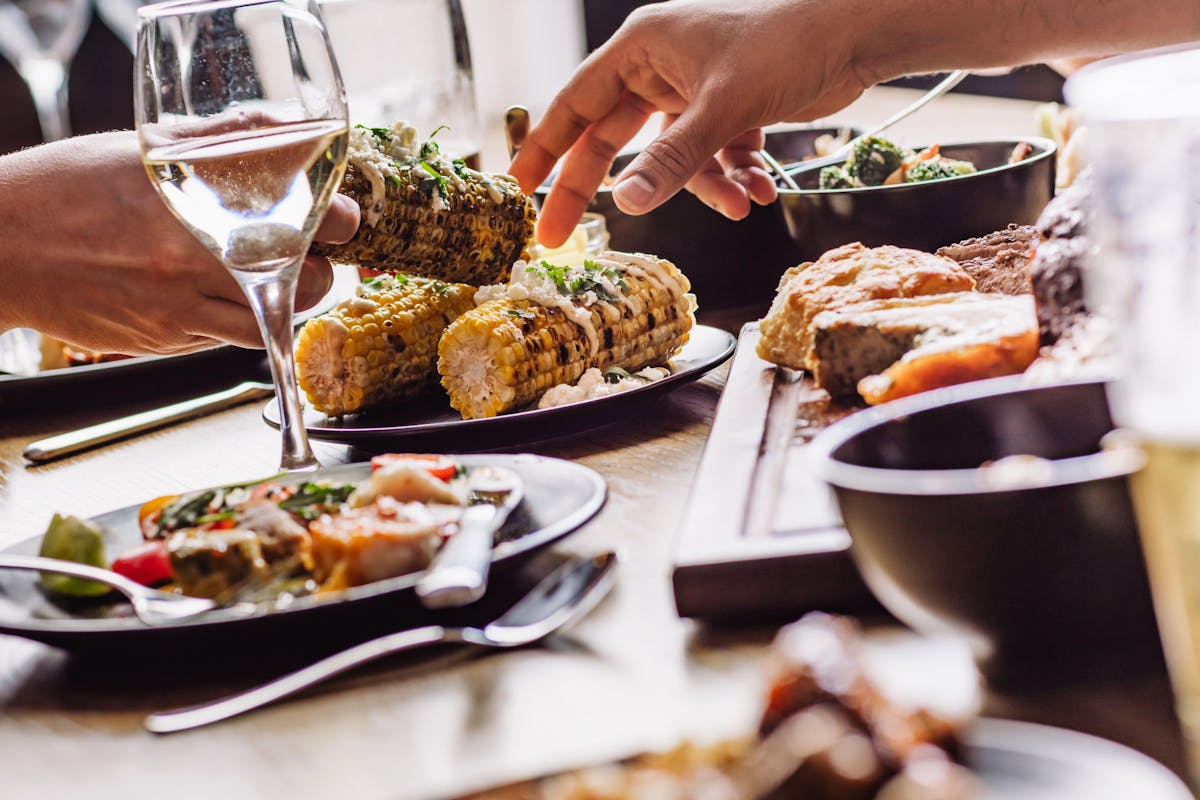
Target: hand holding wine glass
{"x": 242, "y": 121}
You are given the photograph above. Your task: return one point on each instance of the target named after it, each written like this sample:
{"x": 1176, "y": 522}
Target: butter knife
{"x": 105, "y": 432}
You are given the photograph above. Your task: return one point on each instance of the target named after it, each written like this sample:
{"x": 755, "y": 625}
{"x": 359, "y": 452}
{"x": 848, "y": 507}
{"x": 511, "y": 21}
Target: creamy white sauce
{"x": 592, "y": 385}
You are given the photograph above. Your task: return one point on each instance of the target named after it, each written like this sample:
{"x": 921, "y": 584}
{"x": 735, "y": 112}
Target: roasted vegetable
{"x": 427, "y": 215}
{"x": 552, "y": 323}
{"x": 72, "y": 539}
{"x": 378, "y": 347}
{"x": 836, "y": 177}
{"x": 937, "y": 168}
{"x": 873, "y": 159}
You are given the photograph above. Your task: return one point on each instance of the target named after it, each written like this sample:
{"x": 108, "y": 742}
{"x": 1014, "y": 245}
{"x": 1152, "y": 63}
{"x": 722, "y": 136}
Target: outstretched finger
{"x": 742, "y": 161}
{"x": 718, "y": 191}
{"x": 591, "y": 94}
{"x": 586, "y": 166}
{"x": 670, "y": 161}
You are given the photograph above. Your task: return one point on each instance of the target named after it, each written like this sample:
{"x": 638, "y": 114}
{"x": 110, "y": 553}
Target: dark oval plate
{"x": 560, "y": 496}
{"x": 1024, "y": 761}
{"x": 431, "y": 417}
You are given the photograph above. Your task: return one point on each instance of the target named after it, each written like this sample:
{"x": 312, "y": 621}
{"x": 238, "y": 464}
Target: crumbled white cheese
{"x": 592, "y": 385}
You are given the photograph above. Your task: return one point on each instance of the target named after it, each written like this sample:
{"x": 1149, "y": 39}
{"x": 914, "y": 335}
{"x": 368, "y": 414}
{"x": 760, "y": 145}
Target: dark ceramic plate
{"x": 113, "y": 379}
{"x": 431, "y": 418}
{"x": 1022, "y": 761}
{"x": 560, "y": 496}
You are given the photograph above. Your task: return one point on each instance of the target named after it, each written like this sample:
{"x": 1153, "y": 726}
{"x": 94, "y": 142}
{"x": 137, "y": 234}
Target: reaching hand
{"x": 720, "y": 70}
{"x": 92, "y": 255}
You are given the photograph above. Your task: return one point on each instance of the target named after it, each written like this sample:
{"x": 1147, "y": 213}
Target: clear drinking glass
{"x": 436, "y": 86}
{"x": 1142, "y": 115}
{"x": 242, "y": 121}
{"x": 39, "y": 38}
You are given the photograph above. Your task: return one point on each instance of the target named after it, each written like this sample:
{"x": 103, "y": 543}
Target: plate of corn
{"x": 463, "y": 332}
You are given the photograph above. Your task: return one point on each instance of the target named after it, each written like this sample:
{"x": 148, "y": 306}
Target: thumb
{"x": 667, "y": 163}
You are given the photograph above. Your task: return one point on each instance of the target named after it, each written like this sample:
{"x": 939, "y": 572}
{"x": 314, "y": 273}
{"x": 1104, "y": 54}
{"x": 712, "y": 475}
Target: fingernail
{"x": 634, "y": 193}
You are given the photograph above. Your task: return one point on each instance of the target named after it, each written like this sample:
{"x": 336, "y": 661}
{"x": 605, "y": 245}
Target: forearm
{"x": 904, "y": 37}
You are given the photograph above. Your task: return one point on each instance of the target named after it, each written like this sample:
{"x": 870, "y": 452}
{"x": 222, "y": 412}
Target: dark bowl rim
{"x": 1048, "y": 148}
{"x": 1115, "y": 463}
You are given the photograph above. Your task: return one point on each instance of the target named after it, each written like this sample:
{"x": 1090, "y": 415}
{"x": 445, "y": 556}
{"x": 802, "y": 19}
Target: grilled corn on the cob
{"x": 551, "y": 323}
{"x": 423, "y": 214}
{"x": 379, "y": 346}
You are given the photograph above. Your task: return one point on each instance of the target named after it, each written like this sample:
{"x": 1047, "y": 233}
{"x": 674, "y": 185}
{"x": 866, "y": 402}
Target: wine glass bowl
{"x": 40, "y": 38}
{"x": 241, "y": 116}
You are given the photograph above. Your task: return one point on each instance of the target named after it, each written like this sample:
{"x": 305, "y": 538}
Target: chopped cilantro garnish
{"x": 438, "y": 130}
{"x": 460, "y": 168}
{"x": 382, "y": 134}
{"x": 519, "y": 312}
{"x": 396, "y": 180}
{"x": 588, "y": 281}
{"x": 440, "y": 288}
{"x": 441, "y": 179}
{"x": 314, "y": 498}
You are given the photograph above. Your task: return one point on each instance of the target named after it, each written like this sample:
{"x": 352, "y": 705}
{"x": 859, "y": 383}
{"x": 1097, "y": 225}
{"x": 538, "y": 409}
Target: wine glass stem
{"x": 47, "y": 81}
{"x": 272, "y": 297}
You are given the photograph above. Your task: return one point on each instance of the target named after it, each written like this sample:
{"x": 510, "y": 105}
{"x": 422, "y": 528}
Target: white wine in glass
{"x": 242, "y": 121}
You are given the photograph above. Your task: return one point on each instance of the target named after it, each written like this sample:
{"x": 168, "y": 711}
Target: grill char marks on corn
{"x": 425, "y": 215}
{"x": 507, "y": 352}
{"x": 378, "y": 347}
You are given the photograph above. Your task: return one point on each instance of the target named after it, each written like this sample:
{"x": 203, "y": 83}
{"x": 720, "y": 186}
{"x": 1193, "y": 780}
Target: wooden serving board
{"x": 762, "y": 537}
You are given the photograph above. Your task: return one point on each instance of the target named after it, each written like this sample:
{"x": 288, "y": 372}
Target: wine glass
{"x": 242, "y": 120}
{"x": 39, "y": 38}
{"x": 121, "y": 18}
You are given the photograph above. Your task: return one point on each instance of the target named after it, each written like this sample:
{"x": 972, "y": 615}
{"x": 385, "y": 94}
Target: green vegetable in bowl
{"x": 873, "y": 159}
{"x": 72, "y": 539}
{"x": 937, "y": 168}
{"x": 836, "y": 177}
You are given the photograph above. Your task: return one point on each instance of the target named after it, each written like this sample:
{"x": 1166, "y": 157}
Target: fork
{"x": 150, "y": 605}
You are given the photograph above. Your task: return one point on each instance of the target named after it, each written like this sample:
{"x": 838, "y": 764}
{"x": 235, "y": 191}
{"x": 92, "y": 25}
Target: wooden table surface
{"x": 630, "y": 677}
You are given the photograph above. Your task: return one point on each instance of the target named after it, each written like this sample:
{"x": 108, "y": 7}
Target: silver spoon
{"x": 459, "y": 572}
{"x": 562, "y": 597}
{"x": 150, "y": 605}
{"x": 839, "y": 155}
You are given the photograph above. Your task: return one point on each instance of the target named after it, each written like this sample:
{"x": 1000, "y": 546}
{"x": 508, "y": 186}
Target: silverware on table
{"x": 150, "y": 605}
{"x": 459, "y": 572}
{"x": 560, "y": 598}
{"x": 839, "y": 155}
{"x": 105, "y": 432}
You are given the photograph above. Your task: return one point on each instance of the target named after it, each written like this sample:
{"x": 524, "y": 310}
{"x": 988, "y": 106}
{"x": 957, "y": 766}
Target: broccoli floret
{"x": 937, "y": 168}
{"x": 873, "y": 159}
{"x": 836, "y": 177}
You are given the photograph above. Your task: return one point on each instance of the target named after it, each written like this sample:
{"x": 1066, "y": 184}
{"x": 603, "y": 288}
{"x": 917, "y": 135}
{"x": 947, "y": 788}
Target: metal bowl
{"x": 926, "y": 215}
{"x": 1044, "y": 572}
{"x": 729, "y": 263}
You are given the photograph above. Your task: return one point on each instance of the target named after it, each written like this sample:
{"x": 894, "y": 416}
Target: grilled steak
{"x": 999, "y": 262}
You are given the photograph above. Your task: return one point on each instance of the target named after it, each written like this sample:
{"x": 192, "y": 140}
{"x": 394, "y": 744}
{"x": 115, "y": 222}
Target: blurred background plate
{"x": 429, "y": 420}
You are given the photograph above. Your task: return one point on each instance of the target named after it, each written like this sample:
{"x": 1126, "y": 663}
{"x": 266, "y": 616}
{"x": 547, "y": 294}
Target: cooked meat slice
{"x": 849, "y": 274}
{"x": 282, "y": 538}
{"x": 891, "y": 348}
{"x": 999, "y": 262}
{"x": 383, "y": 540}
{"x": 208, "y": 563}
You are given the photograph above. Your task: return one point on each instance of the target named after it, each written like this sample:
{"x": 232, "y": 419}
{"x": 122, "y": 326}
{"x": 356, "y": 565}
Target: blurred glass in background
{"x": 1143, "y": 120}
